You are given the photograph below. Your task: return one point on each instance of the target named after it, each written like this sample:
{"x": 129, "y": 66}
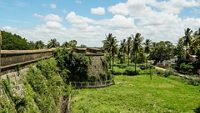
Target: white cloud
{"x": 77, "y": 20}
{"x": 52, "y": 17}
{"x": 78, "y": 2}
{"x": 175, "y": 6}
{"x": 49, "y": 17}
{"x": 120, "y": 8}
{"x": 155, "y": 20}
{"x": 53, "y": 6}
{"x": 98, "y": 11}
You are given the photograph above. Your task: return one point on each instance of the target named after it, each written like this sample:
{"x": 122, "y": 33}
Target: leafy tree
{"x": 53, "y": 43}
{"x": 32, "y": 45}
{"x": 39, "y": 45}
{"x": 164, "y": 50}
{"x": 137, "y": 45}
{"x": 77, "y": 64}
{"x": 14, "y": 42}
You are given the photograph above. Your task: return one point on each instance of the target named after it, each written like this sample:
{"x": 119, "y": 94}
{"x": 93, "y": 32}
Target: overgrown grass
{"x": 133, "y": 94}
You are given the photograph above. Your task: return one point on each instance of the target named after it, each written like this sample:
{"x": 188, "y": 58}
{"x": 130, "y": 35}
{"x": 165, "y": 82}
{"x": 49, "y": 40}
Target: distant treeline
{"x": 16, "y": 42}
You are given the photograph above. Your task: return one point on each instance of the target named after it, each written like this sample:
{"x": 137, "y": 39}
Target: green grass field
{"x": 139, "y": 94}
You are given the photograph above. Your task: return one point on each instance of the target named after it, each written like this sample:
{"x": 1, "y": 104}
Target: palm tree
{"x": 123, "y": 46}
{"x": 137, "y": 41}
{"x": 147, "y": 48}
{"x": 110, "y": 46}
{"x": 53, "y": 43}
{"x": 122, "y": 51}
{"x": 71, "y": 44}
{"x": 128, "y": 44}
{"x": 196, "y": 40}
{"x": 39, "y": 44}
{"x": 65, "y": 44}
{"x": 187, "y": 40}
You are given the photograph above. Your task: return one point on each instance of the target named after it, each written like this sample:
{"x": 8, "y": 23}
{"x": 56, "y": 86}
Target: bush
{"x": 193, "y": 81}
{"x": 120, "y": 65}
{"x": 131, "y": 72}
{"x": 164, "y": 73}
{"x": 126, "y": 71}
{"x": 186, "y": 68}
{"x": 77, "y": 64}
{"x": 197, "y": 110}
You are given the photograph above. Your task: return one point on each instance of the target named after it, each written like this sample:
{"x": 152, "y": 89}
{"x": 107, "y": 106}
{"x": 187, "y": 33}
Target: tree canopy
{"x": 14, "y": 42}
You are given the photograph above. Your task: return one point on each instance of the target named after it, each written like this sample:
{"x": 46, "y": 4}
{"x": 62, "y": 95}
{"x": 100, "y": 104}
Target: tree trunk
{"x": 112, "y": 61}
{"x": 146, "y": 61}
{"x": 128, "y": 58}
{"x": 150, "y": 73}
{"x": 135, "y": 62}
{"x": 124, "y": 58}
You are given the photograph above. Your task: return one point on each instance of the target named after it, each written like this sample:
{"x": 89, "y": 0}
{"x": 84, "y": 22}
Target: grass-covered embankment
{"x": 139, "y": 94}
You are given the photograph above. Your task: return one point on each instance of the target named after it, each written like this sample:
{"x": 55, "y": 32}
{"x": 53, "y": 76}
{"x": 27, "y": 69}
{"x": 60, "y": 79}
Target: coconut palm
{"x": 187, "y": 39}
{"x": 53, "y": 43}
{"x": 122, "y": 51}
{"x": 123, "y": 46}
{"x": 147, "y": 48}
{"x": 196, "y": 40}
{"x": 110, "y": 46}
{"x": 128, "y": 44}
{"x": 137, "y": 45}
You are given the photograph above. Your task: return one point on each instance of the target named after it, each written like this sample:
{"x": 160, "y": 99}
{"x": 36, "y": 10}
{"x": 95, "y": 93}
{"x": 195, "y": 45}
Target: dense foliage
{"x": 77, "y": 64}
{"x": 44, "y": 89}
{"x": 187, "y": 52}
{"x": 14, "y": 42}
{"x": 161, "y": 51}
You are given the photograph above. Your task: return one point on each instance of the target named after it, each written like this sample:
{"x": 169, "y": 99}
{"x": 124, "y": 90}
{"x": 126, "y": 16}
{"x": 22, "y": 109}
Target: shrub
{"x": 186, "y": 68}
{"x": 131, "y": 71}
{"x": 164, "y": 73}
{"x": 120, "y": 65}
{"x": 77, "y": 64}
{"x": 197, "y": 110}
{"x": 193, "y": 81}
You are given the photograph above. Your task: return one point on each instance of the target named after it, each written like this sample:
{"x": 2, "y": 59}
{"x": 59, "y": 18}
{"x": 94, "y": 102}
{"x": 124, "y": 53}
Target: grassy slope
{"x": 138, "y": 94}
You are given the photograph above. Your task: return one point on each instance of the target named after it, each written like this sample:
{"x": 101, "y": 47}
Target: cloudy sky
{"x": 88, "y": 21}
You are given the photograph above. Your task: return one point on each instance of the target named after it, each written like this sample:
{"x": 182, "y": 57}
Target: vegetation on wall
{"x": 44, "y": 89}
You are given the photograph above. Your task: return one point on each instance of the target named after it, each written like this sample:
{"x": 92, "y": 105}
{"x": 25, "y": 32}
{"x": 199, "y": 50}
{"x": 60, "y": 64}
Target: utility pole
{"x": 0, "y": 50}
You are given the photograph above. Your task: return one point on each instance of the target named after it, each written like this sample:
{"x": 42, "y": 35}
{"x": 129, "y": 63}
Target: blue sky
{"x": 88, "y": 21}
